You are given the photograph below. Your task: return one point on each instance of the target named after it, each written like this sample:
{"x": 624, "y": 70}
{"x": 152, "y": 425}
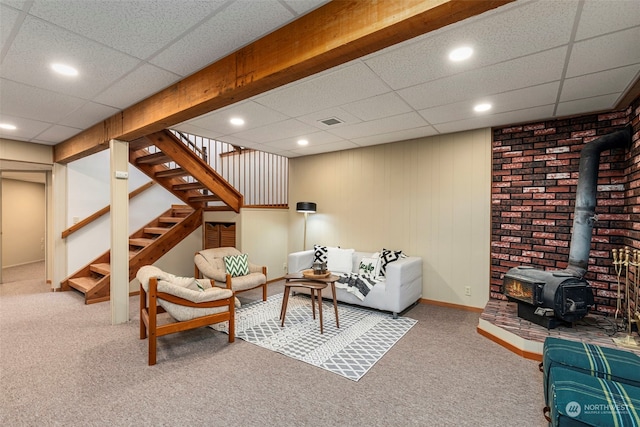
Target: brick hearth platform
{"x": 500, "y": 322}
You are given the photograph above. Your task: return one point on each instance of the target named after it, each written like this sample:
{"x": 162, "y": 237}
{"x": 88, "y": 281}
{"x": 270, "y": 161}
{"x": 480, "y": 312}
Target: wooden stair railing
{"x": 146, "y": 246}
{"x": 193, "y": 181}
{"x": 88, "y": 220}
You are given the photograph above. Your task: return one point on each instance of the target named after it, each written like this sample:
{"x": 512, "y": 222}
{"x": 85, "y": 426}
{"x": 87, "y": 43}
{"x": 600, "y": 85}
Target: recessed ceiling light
{"x": 461, "y": 53}
{"x": 303, "y": 142}
{"x": 236, "y": 121}
{"x": 482, "y": 107}
{"x": 7, "y": 126}
{"x": 65, "y": 70}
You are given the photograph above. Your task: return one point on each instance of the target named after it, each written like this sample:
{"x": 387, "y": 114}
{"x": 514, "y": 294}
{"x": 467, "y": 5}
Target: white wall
{"x": 88, "y": 190}
{"x": 264, "y": 238}
{"x": 261, "y": 233}
{"x": 23, "y": 222}
{"x": 429, "y": 197}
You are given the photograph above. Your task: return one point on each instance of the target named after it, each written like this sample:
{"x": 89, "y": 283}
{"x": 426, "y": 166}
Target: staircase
{"x": 146, "y": 246}
{"x": 182, "y": 172}
{"x": 178, "y": 169}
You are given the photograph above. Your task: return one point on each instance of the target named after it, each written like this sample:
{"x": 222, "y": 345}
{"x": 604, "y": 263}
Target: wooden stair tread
{"x": 205, "y": 198}
{"x": 140, "y": 143}
{"x": 140, "y": 241}
{"x": 101, "y": 268}
{"x": 181, "y": 213}
{"x": 170, "y": 219}
{"x": 170, "y": 173}
{"x": 153, "y": 159}
{"x": 83, "y": 284}
{"x": 156, "y": 230}
{"x": 188, "y": 186}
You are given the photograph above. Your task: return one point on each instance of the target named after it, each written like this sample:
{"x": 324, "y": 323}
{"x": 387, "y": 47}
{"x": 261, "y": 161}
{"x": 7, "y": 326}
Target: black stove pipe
{"x": 584, "y": 215}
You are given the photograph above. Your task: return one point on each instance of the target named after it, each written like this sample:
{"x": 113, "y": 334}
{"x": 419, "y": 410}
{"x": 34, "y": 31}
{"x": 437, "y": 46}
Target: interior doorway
{"x": 23, "y": 225}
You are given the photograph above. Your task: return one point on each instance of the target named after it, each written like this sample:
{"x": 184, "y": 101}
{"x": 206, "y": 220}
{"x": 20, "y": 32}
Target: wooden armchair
{"x": 210, "y": 264}
{"x": 191, "y": 303}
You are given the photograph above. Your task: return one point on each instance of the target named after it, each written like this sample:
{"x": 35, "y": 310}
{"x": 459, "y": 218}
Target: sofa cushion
{"x": 237, "y": 265}
{"x": 388, "y": 256}
{"x": 340, "y": 260}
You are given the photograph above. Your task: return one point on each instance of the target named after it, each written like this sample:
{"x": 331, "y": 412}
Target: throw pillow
{"x": 340, "y": 260}
{"x": 388, "y": 257}
{"x": 237, "y": 265}
{"x": 320, "y": 253}
{"x": 369, "y": 266}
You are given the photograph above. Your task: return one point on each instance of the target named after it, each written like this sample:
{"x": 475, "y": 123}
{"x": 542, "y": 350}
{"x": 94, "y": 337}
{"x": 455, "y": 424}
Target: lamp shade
{"x": 308, "y": 207}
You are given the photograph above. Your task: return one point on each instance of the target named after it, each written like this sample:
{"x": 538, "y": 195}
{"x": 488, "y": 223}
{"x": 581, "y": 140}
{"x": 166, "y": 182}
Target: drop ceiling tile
{"x": 286, "y": 129}
{"x": 384, "y": 125}
{"x": 545, "y": 94}
{"x": 139, "y": 84}
{"x": 254, "y": 115}
{"x": 232, "y": 28}
{"x": 400, "y": 135}
{"x": 427, "y": 59}
{"x": 520, "y": 116}
{"x": 302, "y": 7}
{"x": 613, "y": 51}
{"x": 16, "y": 4}
{"x": 57, "y": 133}
{"x": 26, "y": 129}
{"x": 139, "y": 28}
{"x": 345, "y": 85}
{"x": 377, "y": 107}
{"x": 317, "y": 138}
{"x": 26, "y": 101}
{"x": 580, "y": 106}
{"x": 38, "y": 44}
{"x": 601, "y": 17}
{"x": 88, "y": 115}
{"x": 324, "y": 148}
{"x": 339, "y": 113}
{"x": 596, "y": 84}
{"x": 8, "y": 19}
{"x": 196, "y": 130}
{"x": 527, "y": 71}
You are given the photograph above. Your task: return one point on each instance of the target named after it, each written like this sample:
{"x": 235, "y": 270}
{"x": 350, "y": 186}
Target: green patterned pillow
{"x": 237, "y": 265}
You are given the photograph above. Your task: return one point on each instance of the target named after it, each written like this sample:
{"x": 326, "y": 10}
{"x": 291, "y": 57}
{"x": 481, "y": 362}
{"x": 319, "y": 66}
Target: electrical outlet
{"x": 467, "y": 291}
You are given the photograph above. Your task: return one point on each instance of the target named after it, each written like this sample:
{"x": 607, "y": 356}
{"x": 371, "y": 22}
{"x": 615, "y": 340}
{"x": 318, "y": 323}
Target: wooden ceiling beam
{"x": 333, "y": 34}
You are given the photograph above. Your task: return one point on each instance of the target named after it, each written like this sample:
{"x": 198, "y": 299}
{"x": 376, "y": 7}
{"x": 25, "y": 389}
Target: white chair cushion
{"x": 186, "y": 288}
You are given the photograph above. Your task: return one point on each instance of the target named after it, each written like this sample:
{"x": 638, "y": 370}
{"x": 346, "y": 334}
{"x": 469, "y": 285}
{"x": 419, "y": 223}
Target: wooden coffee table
{"x": 298, "y": 280}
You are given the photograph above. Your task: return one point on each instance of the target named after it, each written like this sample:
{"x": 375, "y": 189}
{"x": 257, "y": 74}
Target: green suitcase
{"x": 578, "y": 399}
{"x": 608, "y": 363}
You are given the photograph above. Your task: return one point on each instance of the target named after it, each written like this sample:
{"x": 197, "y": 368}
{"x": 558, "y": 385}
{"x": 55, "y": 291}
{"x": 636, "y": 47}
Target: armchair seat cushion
{"x": 187, "y": 288}
{"x": 250, "y": 281}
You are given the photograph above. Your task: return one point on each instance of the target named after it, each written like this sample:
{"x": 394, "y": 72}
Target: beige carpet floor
{"x": 62, "y": 363}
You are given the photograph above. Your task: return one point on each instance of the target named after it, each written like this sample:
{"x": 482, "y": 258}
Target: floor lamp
{"x": 306, "y": 208}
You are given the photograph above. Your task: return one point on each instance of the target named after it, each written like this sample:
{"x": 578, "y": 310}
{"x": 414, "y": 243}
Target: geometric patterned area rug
{"x": 363, "y": 338}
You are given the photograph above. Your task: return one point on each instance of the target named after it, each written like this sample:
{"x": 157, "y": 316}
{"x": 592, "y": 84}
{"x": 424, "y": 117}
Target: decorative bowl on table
{"x": 310, "y": 274}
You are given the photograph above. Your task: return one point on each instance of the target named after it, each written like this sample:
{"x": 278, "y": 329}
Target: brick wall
{"x": 535, "y": 174}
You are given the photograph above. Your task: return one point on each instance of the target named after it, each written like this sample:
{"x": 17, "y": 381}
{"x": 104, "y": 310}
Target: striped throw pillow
{"x": 237, "y": 265}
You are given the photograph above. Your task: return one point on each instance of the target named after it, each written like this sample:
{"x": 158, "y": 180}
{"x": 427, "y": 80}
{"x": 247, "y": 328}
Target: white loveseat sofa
{"x": 400, "y": 288}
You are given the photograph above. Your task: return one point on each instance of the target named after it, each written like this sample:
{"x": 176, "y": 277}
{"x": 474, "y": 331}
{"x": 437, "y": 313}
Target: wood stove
{"x": 550, "y": 298}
